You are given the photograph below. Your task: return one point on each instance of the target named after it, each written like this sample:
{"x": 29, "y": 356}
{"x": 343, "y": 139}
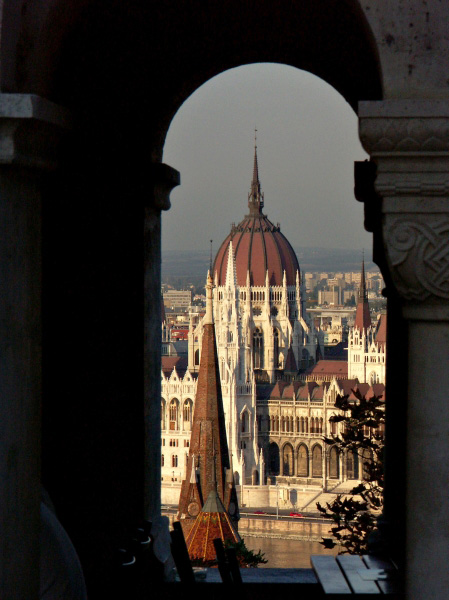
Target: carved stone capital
{"x": 417, "y": 248}
{"x": 409, "y": 143}
{"x": 30, "y": 131}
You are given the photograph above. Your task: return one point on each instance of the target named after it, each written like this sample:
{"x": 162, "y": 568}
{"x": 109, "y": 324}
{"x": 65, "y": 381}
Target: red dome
{"x": 258, "y": 246}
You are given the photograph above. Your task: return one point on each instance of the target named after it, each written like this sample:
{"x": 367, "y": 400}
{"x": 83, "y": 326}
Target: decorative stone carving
{"x": 418, "y": 254}
{"x": 409, "y": 143}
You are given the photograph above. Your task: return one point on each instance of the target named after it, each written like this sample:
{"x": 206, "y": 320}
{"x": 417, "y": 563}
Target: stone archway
{"x": 98, "y": 60}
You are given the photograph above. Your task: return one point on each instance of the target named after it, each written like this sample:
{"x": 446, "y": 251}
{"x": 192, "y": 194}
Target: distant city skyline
{"x": 307, "y": 142}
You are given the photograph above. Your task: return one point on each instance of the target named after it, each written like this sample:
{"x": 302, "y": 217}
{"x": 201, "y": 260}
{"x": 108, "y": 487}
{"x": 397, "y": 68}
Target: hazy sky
{"x": 306, "y": 144}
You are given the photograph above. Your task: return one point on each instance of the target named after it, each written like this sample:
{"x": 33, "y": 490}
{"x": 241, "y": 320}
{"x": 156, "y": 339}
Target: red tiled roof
{"x": 329, "y": 367}
{"x": 169, "y": 362}
{"x": 381, "y": 334}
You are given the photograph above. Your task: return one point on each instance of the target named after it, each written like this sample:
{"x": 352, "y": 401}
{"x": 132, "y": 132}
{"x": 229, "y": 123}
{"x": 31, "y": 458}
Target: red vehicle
{"x": 294, "y": 514}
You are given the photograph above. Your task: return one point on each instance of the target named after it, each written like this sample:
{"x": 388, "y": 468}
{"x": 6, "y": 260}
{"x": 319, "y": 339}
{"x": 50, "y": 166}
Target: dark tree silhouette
{"x": 355, "y": 516}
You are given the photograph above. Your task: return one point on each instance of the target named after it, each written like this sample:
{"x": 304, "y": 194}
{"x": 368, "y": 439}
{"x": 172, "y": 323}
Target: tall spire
{"x": 208, "y": 443}
{"x": 255, "y": 197}
{"x": 362, "y": 315}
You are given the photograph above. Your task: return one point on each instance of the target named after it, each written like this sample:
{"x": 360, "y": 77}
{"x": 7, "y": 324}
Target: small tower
{"x": 208, "y": 465}
{"x": 362, "y": 315}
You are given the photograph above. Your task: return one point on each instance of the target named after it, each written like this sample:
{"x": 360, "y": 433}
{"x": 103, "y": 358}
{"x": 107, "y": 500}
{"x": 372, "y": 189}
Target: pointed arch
{"x": 303, "y": 461}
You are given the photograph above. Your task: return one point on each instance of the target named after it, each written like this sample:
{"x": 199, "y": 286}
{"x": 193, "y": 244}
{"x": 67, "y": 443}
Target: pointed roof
{"x": 381, "y": 333}
{"x": 362, "y": 315}
{"x": 208, "y": 444}
{"x": 212, "y": 522}
{"x": 290, "y": 362}
{"x": 231, "y": 275}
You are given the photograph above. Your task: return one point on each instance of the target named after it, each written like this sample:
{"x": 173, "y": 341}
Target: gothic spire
{"x": 255, "y": 197}
{"x": 208, "y": 443}
{"x": 362, "y": 315}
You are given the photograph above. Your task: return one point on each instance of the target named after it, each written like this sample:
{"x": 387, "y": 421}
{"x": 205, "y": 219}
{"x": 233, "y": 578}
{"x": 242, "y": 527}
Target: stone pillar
{"x": 409, "y": 143}
{"x": 29, "y": 130}
{"x": 163, "y": 179}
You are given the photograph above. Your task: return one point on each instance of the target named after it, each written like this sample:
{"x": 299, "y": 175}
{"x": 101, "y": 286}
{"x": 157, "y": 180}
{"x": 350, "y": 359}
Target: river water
{"x": 286, "y": 554}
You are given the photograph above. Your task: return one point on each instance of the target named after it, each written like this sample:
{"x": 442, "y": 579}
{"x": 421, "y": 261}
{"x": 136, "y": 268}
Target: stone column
{"x": 29, "y": 131}
{"x": 409, "y": 143}
{"x": 163, "y": 179}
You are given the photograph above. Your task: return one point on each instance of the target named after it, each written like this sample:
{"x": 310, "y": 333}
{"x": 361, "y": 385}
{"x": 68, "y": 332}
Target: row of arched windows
{"x": 310, "y": 463}
{"x": 290, "y": 424}
{"x": 172, "y": 423}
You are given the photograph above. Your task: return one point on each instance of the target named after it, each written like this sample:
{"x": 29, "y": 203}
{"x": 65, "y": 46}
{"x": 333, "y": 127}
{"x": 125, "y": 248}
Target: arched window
{"x": 174, "y": 406}
{"x": 334, "y": 470}
{"x": 367, "y": 460}
{"x": 187, "y": 413}
{"x": 277, "y": 423}
{"x": 244, "y": 422}
{"x": 174, "y": 460}
{"x": 258, "y": 359}
{"x": 303, "y": 461}
{"x": 297, "y": 425}
{"x": 317, "y": 464}
{"x": 287, "y": 460}
{"x": 373, "y": 378}
{"x": 197, "y": 357}
{"x": 333, "y": 427}
{"x": 162, "y": 460}
{"x": 282, "y": 424}
{"x": 276, "y": 347}
{"x": 163, "y": 414}
{"x": 273, "y": 459}
{"x": 352, "y": 465}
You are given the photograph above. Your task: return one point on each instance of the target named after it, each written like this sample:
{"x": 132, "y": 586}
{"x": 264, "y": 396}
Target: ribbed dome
{"x": 258, "y": 246}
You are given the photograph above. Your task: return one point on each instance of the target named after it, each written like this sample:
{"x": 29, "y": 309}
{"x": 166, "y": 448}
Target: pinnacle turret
{"x": 255, "y": 197}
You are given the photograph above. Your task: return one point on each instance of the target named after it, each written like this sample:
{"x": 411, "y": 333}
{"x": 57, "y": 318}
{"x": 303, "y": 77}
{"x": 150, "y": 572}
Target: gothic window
{"x": 333, "y": 463}
{"x": 162, "y": 414}
{"x": 173, "y": 410}
{"x": 277, "y": 424}
{"x": 258, "y": 361}
{"x": 187, "y": 412}
{"x": 287, "y": 460}
{"x": 297, "y": 425}
{"x": 274, "y": 311}
{"x": 367, "y": 459}
{"x": 162, "y": 460}
{"x": 373, "y": 378}
{"x": 333, "y": 427}
{"x": 352, "y": 465}
{"x": 282, "y": 424}
{"x": 276, "y": 347}
{"x": 257, "y": 311}
{"x": 244, "y": 422}
{"x": 317, "y": 464}
{"x": 273, "y": 459}
{"x": 303, "y": 461}
{"x": 174, "y": 460}
{"x": 197, "y": 357}
{"x": 291, "y": 425}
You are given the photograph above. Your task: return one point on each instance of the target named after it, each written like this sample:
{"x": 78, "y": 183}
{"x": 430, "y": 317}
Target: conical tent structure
{"x": 211, "y": 523}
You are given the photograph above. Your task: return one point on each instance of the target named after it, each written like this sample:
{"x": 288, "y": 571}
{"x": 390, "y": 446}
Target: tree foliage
{"x": 355, "y": 516}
